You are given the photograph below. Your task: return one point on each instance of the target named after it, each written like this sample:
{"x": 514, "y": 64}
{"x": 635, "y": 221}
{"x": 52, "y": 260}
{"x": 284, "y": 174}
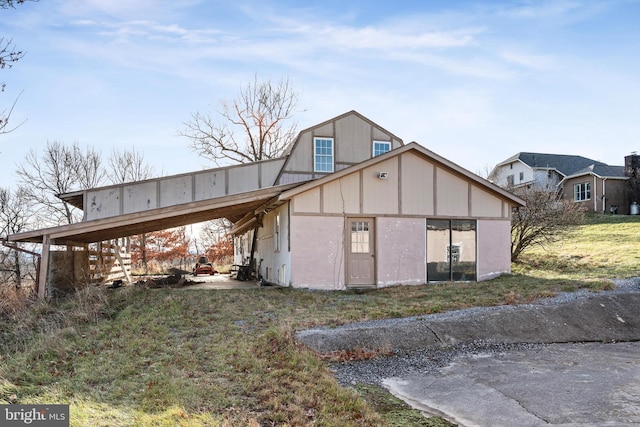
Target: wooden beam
{"x": 43, "y": 274}
{"x": 124, "y": 268}
{"x": 155, "y": 219}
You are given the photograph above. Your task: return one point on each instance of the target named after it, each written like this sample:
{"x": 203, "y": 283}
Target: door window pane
{"x": 360, "y": 237}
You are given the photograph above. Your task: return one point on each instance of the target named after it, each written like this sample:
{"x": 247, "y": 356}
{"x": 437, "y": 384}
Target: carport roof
{"x": 233, "y": 207}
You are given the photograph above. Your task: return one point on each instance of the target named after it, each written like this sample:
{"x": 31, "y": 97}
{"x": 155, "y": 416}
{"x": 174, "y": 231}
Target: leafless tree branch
{"x": 128, "y": 166}
{"x": 257, "y": 125}
{"x": 57, "y": 170}
{"x": 546, "y": 218}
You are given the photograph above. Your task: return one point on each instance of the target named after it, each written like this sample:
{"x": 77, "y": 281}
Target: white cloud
{"x": 384, "y": 39}
{"x": 528, "y": 60}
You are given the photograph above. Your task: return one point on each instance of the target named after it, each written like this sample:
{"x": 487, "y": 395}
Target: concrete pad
{"x": 219, "y": 281}
{"x": 590, "y": 384}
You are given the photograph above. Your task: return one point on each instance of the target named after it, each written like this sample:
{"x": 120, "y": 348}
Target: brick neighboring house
{"x": 597, "y": 186}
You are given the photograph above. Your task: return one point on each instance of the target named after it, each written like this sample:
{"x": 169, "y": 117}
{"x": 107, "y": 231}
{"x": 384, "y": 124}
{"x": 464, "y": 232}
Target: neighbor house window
{"x": 510, "y": 180}
{"x": 521, "y": 176}
{"x": 582, "y": 191}
{"x": 323, "y": 154}
{"x": 381, "y": 147}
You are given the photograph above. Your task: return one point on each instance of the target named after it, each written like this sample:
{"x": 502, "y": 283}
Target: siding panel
{"x": 417, "y": 186}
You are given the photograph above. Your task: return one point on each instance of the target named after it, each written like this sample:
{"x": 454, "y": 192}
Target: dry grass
{"x": 605, "y": 247}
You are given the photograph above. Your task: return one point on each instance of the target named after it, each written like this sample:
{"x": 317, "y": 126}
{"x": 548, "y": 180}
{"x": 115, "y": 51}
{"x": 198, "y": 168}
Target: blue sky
{"x": 474, "y": 81}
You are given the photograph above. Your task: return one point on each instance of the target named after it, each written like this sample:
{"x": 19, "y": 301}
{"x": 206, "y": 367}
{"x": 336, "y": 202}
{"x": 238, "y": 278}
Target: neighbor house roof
{"x": 599, "y": 170}
{"x": 563, "y": 163}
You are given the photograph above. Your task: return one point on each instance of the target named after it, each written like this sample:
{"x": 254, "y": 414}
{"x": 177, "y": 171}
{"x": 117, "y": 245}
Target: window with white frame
{"x": 381, "y": 147}
{"x": 276, "y": 233}
{"x": 582, "y": 191}
{"x": 323, "y": 154}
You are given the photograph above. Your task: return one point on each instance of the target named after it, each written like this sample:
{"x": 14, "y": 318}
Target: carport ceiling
{"x": 230, "y": 207}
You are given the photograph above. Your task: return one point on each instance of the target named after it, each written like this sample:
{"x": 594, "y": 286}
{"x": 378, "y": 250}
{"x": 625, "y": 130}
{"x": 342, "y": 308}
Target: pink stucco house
{"x": 371, "y": 211}
{"x": 348, "y": 205}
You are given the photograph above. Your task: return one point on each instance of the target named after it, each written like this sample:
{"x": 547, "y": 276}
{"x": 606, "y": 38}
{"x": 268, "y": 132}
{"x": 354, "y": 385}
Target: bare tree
{"x": 128, "y": 166}
{"x": 210, "y": 234}
{"x": 8, "y": 56}
{"x": 15, "y": 217}
{"x": 545, "y": 218}
{"x": 257, "y": 125}
{"x": 59, "y": 169}
{"x": 6, "y": 4}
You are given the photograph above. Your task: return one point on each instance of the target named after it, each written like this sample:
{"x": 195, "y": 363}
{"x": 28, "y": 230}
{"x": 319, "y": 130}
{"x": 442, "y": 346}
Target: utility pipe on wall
{"x": 604, "y": 197}
{"x": 595, "y": 194}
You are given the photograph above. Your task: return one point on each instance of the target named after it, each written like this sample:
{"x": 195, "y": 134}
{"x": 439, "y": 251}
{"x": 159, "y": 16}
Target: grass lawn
{"x": 171, "y": 357}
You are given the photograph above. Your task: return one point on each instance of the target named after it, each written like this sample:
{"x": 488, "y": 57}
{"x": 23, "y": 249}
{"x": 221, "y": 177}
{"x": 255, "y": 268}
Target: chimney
{"x": 632, "y": 165}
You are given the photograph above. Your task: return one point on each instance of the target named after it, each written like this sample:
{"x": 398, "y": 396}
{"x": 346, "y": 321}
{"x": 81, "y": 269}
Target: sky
{"x": 473, "y": 81}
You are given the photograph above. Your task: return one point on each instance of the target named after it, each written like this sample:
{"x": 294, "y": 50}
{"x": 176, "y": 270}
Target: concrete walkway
{"x": 590, "y": 384}
{"x": 588, "y": 375}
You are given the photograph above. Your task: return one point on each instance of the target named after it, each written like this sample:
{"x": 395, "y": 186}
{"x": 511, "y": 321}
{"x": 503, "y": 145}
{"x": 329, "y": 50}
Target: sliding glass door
{"x": 451, "y": 250}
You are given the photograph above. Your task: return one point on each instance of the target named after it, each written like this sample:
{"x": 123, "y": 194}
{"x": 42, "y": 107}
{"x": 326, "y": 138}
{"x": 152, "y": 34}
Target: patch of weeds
{"x": 289, "y": 395}
{"x": 394, "y": 411}
{"x": 354, "y": 355}
{"x": 7, "y": 392}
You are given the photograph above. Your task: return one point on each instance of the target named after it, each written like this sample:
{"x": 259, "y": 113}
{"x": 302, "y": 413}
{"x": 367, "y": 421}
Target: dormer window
{"x": 381, "y": 147}
{"x": 323, "y": 154}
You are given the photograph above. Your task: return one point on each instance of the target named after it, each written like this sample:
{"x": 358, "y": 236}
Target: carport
{"x": 233, "y": 207}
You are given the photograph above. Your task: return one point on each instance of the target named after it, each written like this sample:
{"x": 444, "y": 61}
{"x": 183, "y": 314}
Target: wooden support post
{"x": 43, "y": 282}
{"x": 124, "y": 268}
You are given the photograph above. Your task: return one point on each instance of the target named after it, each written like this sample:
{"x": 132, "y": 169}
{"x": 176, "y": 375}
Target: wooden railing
{"x": 108, "y": 262}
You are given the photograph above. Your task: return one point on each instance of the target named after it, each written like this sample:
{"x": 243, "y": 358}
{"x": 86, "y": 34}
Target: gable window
{"x": 582, "y": 191}
{"x": 323, "y": 154}
{"x": 381, "y": 147}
